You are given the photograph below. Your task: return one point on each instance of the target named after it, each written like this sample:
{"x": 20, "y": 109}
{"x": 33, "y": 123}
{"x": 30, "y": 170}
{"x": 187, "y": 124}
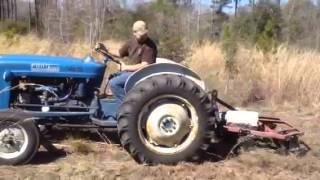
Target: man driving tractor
{"x": 140, "y": 51}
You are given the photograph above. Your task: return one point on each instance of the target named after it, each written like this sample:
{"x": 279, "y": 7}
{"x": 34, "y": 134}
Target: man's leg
{"x": 117, "y": 85}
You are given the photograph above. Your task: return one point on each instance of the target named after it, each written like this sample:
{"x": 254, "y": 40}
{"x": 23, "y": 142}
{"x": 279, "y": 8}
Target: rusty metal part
{"x": 283, "y": 134}
{"x": 266, "y": 129}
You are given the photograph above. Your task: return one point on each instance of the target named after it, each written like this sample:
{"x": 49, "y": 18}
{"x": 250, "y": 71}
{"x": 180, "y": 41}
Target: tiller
{"x": 252, "y": 130}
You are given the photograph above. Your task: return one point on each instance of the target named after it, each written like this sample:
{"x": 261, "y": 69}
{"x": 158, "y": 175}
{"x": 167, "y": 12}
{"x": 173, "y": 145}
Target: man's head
{"x": 140, "y": 31}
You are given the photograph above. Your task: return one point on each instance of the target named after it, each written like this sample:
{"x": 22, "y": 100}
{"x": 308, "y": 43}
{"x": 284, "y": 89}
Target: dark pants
{"x": 117, "y": 84}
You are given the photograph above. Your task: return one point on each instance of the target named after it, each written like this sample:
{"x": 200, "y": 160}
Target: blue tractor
{"x": 166, "y": 116}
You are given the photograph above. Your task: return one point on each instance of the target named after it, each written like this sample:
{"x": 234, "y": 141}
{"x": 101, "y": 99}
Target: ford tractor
{"x": 167, "y": 116}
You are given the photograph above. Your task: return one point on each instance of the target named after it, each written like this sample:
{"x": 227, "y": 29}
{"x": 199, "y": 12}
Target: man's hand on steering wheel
{"x": 97, "y": 47}
{"x": 101, "y": 48}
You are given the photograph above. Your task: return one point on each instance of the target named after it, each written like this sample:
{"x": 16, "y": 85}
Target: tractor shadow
{"x": 46, "y": 157}
{"x": 221, "y": 150}
{"x": 49, "y": 153}
{"x": 218, "y": 151}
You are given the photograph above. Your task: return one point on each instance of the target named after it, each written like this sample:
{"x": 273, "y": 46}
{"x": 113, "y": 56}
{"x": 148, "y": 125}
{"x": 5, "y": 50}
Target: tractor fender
{"x": 163, "y": 66}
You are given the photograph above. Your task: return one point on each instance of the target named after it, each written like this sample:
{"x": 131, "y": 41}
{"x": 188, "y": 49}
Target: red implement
{"x": 268, "y": 127}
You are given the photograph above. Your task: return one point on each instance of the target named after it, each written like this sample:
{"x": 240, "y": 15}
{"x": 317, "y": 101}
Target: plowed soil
{"x": 105, "y": 161}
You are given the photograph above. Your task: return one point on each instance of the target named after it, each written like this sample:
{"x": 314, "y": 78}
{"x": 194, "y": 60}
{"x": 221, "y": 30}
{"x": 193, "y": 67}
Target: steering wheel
{"x": 101, "y": 48}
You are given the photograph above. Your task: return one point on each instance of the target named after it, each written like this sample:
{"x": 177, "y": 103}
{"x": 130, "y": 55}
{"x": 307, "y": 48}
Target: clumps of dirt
{"x": 81, "y": 147}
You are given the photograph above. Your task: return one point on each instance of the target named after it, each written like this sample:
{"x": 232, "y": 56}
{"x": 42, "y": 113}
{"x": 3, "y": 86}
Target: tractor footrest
{"x": 104, "y": 123}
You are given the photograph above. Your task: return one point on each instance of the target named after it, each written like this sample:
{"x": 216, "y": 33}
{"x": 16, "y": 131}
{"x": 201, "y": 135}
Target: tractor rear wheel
{"x": 166, "y": 119}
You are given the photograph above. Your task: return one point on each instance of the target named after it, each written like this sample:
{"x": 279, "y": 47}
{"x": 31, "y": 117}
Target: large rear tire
{"x": 166, "y": 119}
{"x": 19, "y": 141}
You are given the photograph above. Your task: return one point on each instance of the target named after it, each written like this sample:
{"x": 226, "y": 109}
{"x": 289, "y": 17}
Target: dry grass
{"x": 31, "y": 44}
{"x": 287, "y": 77}
{"x": 81, "y": 147}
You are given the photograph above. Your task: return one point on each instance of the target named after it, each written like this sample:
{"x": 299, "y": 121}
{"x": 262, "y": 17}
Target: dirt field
{"x": 111, "y": 162}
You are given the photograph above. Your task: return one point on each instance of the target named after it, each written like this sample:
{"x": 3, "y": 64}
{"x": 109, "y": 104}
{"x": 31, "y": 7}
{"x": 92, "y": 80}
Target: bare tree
{"x": 252, "y": 3}
{"x": 1, "y": 10}
{"x": 8, "y": 8}
{"x": 30, "y": 14}
{"x": 37, "y": 8}
{"x": 11, "y": 9}
{"x": 198, "y": 16}
{"x": 236, "y": 5}
{"x": 218, "y": 17}
{"x": 15, "y": 9}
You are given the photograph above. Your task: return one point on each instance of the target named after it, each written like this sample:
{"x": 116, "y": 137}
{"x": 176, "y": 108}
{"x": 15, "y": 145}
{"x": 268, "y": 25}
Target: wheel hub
{"x": 11, "y": 141}
{"x": 168, "y": 124}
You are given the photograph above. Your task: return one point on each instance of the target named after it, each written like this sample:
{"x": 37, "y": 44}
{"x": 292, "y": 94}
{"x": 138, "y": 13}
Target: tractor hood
{"x": 49, "y": 66}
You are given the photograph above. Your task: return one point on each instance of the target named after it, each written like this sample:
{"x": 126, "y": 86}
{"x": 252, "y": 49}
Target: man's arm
{"x": 104, "y": 51}
{"x": 135, "y": 67}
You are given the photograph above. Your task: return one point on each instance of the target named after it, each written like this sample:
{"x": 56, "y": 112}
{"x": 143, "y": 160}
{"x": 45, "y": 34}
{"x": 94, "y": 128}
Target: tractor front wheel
{"x": 166, "y": 119}
{"x": 19, "y": 141}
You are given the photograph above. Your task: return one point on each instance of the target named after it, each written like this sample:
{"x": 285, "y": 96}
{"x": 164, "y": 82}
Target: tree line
{"x": 8, "y": 9}
{"x": 174, "y": 24}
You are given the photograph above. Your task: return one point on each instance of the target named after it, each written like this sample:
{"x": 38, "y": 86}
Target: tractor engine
{"x": 51, "y": 94}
